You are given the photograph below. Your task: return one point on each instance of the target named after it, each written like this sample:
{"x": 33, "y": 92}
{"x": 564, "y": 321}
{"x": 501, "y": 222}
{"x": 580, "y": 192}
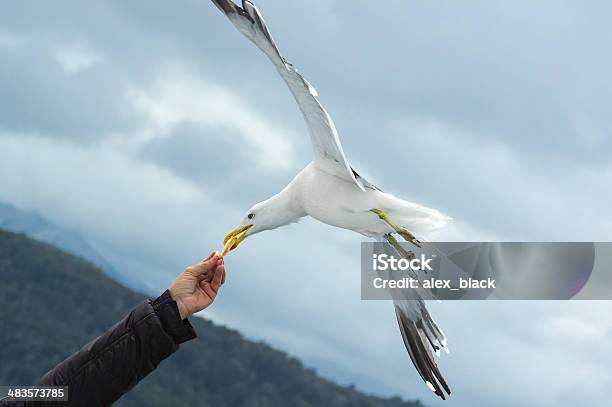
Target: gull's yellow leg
{"x": 407, "y": 254}
{"x": 402, "y": 231}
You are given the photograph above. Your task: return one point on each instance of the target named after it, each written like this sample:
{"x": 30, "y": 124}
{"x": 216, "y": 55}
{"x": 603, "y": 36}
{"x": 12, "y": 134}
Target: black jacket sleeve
{"x": 109, "y": 366}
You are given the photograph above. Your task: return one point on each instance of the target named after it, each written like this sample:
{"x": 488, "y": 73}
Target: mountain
{"x": 31, "y": 224}
{"x": 35, "y": 226}
{"x": 52, "y": 303}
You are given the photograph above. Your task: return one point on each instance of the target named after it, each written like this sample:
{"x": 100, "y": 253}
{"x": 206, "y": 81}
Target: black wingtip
{"x": 226, "y": 6}
{"x": 424, "y": 364}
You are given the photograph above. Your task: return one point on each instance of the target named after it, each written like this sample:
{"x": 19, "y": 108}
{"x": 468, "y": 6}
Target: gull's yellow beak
{"x": 234, "y": 238}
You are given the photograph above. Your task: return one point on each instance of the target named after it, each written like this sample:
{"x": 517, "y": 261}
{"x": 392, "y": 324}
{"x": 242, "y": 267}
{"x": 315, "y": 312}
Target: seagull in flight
{"x": 331, "y": 191}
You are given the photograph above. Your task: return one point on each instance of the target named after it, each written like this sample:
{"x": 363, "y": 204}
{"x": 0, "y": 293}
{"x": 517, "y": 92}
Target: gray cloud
{"x": 494, "y": 113}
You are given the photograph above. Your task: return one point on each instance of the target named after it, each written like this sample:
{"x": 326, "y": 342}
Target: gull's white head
{"x": 262, "y": 216}
{"x": 267, "y": 215}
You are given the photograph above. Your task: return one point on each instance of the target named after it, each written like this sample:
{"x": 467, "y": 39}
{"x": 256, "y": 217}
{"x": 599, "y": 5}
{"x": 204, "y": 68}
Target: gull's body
{"x": 340, "y": 202}
{"x": 331, "y": 191}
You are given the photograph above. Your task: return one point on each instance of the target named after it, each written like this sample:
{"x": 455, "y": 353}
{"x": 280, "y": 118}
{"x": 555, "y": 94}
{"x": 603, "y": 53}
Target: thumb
{"x": 205, "y": 266}
{"x": 209, "y": 256}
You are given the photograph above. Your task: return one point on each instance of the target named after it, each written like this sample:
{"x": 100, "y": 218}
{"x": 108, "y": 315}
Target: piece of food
{"x": 229, "y": 246}
{"x": 233, "y": 239}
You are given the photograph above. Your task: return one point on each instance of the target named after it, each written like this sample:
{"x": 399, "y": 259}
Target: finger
{"x": 208, "y": 275}
{"x": 222, "y": 262}
{"x": 204, "y": 267}
{"x": 205, "y": 285}
{"x": 209, "y": 256}
{"x": 217, "y": 277}
{"x": 204, "y": 276}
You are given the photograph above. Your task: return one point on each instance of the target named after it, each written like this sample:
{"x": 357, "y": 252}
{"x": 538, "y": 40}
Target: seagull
{"x": 331, "y": 191}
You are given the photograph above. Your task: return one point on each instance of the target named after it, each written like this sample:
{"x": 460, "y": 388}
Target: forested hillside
{"x": 52, "y": 303}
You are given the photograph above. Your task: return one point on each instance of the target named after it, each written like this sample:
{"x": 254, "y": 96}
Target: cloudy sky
{"x": 150, "y": 127}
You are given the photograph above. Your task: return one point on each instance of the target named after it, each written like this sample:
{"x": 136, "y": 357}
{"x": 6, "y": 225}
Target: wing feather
{"x": 328, "y": 153}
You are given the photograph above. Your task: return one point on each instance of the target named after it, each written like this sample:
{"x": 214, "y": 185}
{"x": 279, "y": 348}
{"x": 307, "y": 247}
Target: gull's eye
{"x": 251, "y": 215}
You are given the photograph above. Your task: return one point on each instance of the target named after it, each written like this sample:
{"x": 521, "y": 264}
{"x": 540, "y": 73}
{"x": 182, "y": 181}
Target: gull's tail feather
{"x": 421, "y": 335}
{"x": 418, "y": 219}
{"x": 420, "y": 339}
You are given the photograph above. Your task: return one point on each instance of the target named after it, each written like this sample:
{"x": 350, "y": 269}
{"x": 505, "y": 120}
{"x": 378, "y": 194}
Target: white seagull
{"x": 331, "y": 191}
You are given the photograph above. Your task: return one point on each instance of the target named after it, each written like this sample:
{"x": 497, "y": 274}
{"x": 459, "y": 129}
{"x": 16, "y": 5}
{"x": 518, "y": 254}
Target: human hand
{"x": 196, "y": 287}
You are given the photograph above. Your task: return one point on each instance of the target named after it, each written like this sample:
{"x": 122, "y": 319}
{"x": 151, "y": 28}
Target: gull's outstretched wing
{"x": 328, "y": 154}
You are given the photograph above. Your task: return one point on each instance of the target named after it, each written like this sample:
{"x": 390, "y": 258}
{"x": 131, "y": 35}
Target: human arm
{"x": 109, "y": 366}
